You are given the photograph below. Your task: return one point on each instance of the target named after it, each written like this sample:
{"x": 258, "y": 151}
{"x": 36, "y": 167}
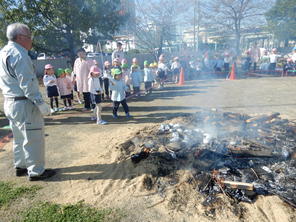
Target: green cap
{"x": 68, "y": 70}
{"x": 60, "y": 71}
{"x": 124, "y": 66}
{"x": 116, "y": 72}
{"x": 146, "y": 63}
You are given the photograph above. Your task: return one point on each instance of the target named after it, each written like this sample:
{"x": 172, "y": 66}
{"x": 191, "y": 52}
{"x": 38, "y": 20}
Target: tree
{"x": 64, "y": 24}
{"x": 281, "y": 19}
{"x": 156, "y": 24}
{"x": 236, "y": 15}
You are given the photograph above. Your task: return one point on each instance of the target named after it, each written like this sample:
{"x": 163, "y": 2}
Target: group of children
{"x": 58, "y": 84}
{"x": 116, "y": 82}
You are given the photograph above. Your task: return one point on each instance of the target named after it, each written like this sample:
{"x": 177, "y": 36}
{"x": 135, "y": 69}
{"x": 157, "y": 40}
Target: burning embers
{"x": 231, "y": 153}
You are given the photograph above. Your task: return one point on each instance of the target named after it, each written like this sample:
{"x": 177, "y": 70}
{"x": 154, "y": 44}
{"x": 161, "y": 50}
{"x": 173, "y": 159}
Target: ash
{"x": 235, "y": 154}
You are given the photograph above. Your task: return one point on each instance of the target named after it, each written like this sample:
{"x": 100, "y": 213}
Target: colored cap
{"x": 68, "y": 70}
{"x": 48, "y": 66}
{"x": 124, "y": 66}
{"x": 151, "y": 65}
{"x": 107, "y": 63}
{"x": 146, "y": 63}
{"x": 116, "y": 72}
{"x": 95, "y": 70}
{"x": 60, "y": 71}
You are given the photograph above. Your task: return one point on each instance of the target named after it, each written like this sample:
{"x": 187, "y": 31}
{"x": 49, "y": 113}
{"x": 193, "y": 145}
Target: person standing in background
{"x": 255, "y": 55}
{"x": 273, "y": 57}
{"x": 81, "y": 70}
{"x": 118, "y": 53}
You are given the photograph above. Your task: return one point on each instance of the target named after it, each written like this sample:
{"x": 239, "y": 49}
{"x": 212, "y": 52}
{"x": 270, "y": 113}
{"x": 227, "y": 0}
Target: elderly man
{"x": 118, "y": 53}
{"x": 23, "y": 104}
{"x": 81, "y": 70}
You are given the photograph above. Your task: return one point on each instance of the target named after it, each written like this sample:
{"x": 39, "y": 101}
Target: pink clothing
{"x": 65, "y": 85}
{"x": 81, "y": 69}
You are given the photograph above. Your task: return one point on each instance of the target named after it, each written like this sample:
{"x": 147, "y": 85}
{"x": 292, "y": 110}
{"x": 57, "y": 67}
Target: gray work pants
{"x": 27, "y": 126}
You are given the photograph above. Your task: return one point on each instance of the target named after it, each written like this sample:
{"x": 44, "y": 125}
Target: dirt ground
{"x": 90, "y": 169}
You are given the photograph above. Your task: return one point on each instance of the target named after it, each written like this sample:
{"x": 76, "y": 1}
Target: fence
{"x": 57, "y": 63}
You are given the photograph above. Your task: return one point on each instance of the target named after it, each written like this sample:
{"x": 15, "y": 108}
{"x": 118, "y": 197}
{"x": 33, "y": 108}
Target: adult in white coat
{"x": 81, "y": 69}
{"x": 23, "y": 104}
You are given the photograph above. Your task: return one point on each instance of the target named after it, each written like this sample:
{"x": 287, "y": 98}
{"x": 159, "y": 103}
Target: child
{"x": 135, "y": 62}
{"x": 65, "y": 87}
{"x": 154, "y": 70}
{"x": 116, "y": 64}
{"x": 50, "y": 82}
{"x": 126, "y": 77}
{"x": 106, "y": 74}
{"x": 289, "y": 66}
{"x": 148, "y": 78}
{"x": 74, "y": 83}
{"x": 273, "y": 59}
{"x": 118, "y": 88}
{"x": 161, "y": 71}
{"x": 124, "y": 62}
{"x": 68, "y": 72}
{"x": 95, "y": 89}
{"x": 136, "y": 79}
{"x": 176, "y": 66}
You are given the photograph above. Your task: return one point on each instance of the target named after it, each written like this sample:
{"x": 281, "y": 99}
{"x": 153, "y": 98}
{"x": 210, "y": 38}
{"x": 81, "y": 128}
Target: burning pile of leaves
{"x": 235, "y": 154}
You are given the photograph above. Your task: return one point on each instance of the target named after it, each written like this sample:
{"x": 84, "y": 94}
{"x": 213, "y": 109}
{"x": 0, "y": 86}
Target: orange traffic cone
{"x": 181, "y": 79}
{"x": 232, "y": 75}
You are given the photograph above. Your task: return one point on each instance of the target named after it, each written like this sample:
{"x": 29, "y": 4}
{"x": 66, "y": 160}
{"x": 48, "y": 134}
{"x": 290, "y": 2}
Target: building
{"x": 211, "y": 36}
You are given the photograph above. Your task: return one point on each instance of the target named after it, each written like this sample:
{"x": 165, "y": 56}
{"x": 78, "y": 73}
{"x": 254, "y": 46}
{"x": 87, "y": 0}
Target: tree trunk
{"x": 237, "y": 43}
{"x": 160, "y": 43}
{"x": 70, "y": 41}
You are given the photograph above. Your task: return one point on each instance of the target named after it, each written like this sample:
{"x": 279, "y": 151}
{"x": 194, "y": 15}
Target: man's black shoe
{"x": 46, "y": 174}
{"x": 19, "y": 172}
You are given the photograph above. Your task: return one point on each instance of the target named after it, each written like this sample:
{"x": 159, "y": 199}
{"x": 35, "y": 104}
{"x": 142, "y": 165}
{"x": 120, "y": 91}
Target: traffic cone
{"x": 181, "y": 79}
{"x": 232, "y": 75}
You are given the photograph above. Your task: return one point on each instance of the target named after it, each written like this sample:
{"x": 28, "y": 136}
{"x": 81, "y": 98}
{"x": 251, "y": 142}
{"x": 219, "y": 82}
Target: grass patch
{"x": 51, "y": 212}
{"x": 10, "y": 192}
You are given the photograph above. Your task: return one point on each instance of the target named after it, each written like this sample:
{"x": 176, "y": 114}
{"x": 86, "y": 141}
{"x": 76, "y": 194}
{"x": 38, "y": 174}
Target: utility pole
{"x": 196, "y": 13}
{"x": 198, "y": 23}
{"x": 194, "y": 26}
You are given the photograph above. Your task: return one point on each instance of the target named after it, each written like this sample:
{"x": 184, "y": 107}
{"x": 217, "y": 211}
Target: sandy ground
{"x": 87, "y": 155}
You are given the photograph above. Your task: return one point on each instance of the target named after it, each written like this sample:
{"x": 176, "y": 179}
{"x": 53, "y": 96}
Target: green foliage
{"x": 8, "y": 192}
{"x": 70, "y": 213}
{"x": 63, "y": 24}
{"x": 282, "y": 19}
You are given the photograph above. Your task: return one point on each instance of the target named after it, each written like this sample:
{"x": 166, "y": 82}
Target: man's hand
{"x": 44, "y": 109}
